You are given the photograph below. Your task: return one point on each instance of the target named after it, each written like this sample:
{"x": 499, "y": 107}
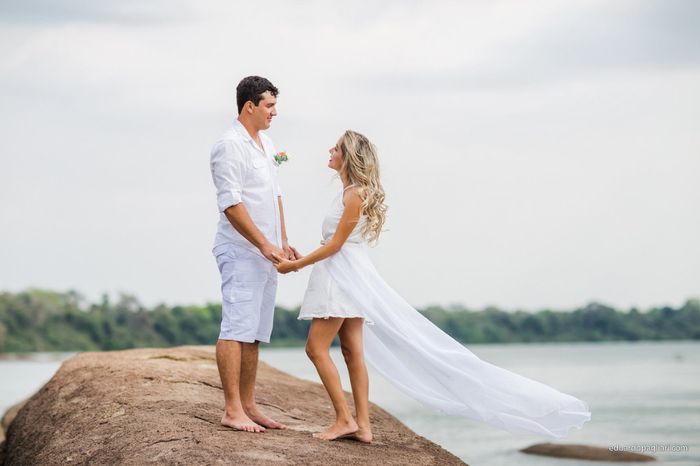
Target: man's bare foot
{"x": 363, "y": 434}
{"x": 241, "y": 422}
{"x": 338, "y": 429}
{"x": 258, "y": 417}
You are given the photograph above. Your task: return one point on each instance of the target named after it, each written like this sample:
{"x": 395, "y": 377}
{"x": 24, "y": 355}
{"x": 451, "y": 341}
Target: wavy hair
{"x": 361, "y": 167}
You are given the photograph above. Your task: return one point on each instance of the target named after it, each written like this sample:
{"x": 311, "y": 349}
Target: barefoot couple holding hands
{"x": 345, "y": 296}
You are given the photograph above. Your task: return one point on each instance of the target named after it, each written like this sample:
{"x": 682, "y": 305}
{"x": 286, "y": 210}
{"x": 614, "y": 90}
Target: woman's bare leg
{"x": 351, "y": 344}
{"x": 318, "y": 344}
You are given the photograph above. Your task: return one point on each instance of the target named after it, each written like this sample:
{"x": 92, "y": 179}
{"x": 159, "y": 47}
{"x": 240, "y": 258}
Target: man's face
{"x": 266, "y": 109}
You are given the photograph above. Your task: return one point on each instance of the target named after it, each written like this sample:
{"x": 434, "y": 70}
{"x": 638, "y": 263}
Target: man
{"x": 250, "y": 230}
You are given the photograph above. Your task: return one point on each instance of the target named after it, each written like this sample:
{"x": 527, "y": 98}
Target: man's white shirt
{"x": 243, "y": 172}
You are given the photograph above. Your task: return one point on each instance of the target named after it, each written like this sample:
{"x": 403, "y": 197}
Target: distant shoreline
{"x": 42, "y": 320}
{"x": 61, "y": 355}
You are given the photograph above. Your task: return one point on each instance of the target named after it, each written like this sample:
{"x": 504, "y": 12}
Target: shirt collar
{"x": 238, "y": 126}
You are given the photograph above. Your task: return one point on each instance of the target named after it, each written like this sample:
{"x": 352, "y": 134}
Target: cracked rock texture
{"x": 163, "y": 406}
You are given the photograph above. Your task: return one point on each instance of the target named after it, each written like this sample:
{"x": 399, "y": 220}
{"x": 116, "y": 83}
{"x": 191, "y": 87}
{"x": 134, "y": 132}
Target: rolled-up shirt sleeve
{"x": 227, "y": 171}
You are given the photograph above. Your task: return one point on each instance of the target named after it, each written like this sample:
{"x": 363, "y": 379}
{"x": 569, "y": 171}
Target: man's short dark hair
{"x": 252, "y": 88}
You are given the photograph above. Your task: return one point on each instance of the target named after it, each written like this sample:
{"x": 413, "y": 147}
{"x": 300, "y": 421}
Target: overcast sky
{"x": 534, "y": 153}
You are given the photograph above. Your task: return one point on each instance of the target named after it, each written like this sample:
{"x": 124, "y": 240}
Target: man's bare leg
{"x": 228, "y": 359}
{"x": 249, "y": 371}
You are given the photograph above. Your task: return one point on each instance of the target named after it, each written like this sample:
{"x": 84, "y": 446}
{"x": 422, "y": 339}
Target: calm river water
{"x": 644, "y": 396}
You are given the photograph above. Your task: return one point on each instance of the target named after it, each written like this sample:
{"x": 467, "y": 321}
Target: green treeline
{"x": 40, "y": 320}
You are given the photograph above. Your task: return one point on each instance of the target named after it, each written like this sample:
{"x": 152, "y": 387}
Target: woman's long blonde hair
{"x": 361, "y": 167}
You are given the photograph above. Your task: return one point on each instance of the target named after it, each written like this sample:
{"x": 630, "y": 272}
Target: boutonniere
{"x": 281, "y": 157}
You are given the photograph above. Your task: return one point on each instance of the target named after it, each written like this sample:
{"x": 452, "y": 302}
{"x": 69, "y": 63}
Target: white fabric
{"x": 323, "y": 298}
{"x": 430, "y": 366}
{"x": 242, "y": 172}
{"x": 332, "y": 218}
{"x": 248, "y": 288}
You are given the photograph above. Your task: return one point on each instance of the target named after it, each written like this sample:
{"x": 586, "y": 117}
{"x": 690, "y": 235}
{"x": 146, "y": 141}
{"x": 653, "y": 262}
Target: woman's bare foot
{"x": 258, "y": 417}
{"x": 363, "y": 434}
{"x": 241, "y": 422}
{"x": 338, "y": 429}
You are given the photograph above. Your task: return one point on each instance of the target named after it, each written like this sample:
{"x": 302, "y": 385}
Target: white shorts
{"x": 248, "y": 288}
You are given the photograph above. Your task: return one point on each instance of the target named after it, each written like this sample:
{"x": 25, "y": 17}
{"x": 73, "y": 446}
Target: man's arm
{"x": 240, "y": 220}
{"x": 227, "y": 169}
{"x": 289, "y": 252}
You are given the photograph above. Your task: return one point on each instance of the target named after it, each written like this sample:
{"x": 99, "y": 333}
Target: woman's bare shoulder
{"x": 353, "y": 196}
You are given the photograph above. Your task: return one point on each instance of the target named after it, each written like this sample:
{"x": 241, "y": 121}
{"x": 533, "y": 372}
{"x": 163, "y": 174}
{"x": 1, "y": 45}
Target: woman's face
{"x": 336, "y": 160}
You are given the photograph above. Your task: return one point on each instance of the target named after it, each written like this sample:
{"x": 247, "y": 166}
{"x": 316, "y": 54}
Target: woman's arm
{"x": 350, "y": 217}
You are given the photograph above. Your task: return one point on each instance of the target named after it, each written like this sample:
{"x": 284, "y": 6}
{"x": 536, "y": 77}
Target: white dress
{"x": 323, "y": 297}
{"x": 422, "y": 360}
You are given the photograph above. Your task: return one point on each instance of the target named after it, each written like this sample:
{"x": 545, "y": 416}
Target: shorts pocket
{"x": 249, "y": 271}
{"x": 239, "y": 295}
{"x": 221, "y": 249}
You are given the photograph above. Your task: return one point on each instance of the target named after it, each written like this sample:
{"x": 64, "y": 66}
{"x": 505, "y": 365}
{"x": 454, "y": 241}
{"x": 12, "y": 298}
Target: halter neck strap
{"x": 348, "y": 187}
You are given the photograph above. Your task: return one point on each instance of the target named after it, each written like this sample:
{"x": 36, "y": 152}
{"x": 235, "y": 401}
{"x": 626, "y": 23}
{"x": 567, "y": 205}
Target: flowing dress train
{"x": 429, "y": 365}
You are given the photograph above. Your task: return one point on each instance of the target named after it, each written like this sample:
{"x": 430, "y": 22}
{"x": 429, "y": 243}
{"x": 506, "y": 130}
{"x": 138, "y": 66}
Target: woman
{"x": 346, "y": 291}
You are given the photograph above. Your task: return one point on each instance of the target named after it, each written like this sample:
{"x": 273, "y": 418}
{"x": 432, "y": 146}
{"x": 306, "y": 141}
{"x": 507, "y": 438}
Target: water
{"x": 643, "y": 395}
{"x": 21, "y": 375}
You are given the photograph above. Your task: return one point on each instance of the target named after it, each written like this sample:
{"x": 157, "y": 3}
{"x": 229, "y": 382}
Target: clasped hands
{"x": 283, "y": 258}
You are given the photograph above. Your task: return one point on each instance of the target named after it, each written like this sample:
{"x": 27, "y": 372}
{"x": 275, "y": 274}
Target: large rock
{"x": 5, "y": 422}
{"x": 9, "y": 416}
{"x": 164, "y": 406}
{"x": 585, "y": 452}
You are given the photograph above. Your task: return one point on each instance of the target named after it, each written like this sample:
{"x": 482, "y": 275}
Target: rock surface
{"x": 5, "y": 422}
{"x": 164, "y": 406}
{"x": 585, "y": 452}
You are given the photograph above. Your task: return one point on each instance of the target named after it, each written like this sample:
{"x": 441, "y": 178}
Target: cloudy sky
{"x": 535, "y": 153}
